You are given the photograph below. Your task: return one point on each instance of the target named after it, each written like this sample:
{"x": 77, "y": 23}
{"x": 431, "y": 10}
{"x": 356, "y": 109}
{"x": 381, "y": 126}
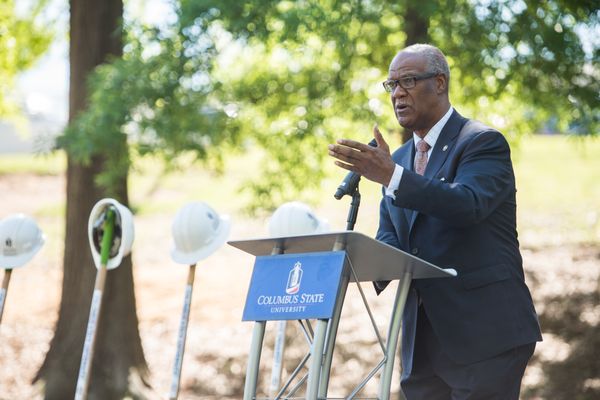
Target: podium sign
{"x": 294, "y": 286}
{"x": 309, "y": 281}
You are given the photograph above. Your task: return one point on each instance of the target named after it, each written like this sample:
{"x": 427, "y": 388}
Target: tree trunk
{"x": 119, "y": 362}
{"x": 416, "y": 22}
{"x": 416, "y": 27}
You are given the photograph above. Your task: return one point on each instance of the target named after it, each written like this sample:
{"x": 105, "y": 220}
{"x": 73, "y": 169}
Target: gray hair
{"x": 436, "y": 61}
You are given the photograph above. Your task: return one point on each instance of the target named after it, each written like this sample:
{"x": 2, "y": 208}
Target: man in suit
{"x": 449, "y": 198}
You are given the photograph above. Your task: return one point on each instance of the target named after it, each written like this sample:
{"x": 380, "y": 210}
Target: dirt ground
{"x": 218, "y": 342}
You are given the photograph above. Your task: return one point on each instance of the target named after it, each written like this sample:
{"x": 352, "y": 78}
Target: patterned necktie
{"x": 421, "y": 157}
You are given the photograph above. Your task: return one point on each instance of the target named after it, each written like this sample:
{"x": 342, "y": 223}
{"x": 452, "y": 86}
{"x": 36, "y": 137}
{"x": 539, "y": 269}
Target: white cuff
{"x": 394, "y": 182}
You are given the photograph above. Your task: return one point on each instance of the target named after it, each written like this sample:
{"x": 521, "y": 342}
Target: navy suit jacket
{"x": 462, "y": 214}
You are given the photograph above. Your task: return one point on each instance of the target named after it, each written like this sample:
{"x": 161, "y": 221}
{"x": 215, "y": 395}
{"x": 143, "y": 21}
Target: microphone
{"x": 350, "y": 182}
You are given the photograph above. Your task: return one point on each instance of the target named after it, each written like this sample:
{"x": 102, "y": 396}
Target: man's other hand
{"x": 374, "y": 163}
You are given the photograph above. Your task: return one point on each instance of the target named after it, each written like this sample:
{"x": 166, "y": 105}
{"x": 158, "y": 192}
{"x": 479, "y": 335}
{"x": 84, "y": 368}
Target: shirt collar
{"x": 433, "y": 134}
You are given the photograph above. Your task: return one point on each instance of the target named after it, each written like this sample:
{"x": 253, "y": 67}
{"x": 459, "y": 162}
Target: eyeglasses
{"x": 408, "y": 82}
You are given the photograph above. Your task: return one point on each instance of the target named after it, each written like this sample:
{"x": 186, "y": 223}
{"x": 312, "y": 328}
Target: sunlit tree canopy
{"x": 23, "y": 39}
{"x": 290, "y": 76}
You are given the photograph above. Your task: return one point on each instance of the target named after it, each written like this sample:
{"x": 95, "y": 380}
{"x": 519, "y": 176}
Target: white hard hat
{"x": 123, "y": 232}
{"x": 198, "y": 231}
{"x": 295, "y": 218}
{"x": 20, "y": 240}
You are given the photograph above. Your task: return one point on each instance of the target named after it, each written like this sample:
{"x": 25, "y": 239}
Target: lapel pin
{"x": 445, "y": 148}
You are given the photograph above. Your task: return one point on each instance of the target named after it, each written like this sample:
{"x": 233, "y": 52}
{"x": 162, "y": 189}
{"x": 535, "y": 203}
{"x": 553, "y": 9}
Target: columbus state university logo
{"x": 294, "y": 279}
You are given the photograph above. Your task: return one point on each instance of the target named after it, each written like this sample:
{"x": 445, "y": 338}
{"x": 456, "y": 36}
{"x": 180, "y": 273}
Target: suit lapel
{"x": 443, "y": 147}
{"x": 405, "y": 160}
{"x": 444, "y": 144}
{"x": 405, "y": 156}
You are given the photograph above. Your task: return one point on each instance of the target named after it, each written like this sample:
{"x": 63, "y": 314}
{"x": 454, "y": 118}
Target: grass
{"x": 557, "y": 181}
{"x": 153, "y": 189}
{"x": 37, "y": 164}
{"x": 558, "y": 192}
{"x": 558, "y": 172}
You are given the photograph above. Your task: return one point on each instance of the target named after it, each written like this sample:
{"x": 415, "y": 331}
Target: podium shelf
{"x": 372, "y": 260}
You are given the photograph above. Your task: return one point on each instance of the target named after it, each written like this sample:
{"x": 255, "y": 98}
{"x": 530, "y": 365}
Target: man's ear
{"x": 441, "y": 82}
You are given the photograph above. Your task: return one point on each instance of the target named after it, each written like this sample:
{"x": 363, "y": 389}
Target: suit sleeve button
{"x": 415, "y": 251}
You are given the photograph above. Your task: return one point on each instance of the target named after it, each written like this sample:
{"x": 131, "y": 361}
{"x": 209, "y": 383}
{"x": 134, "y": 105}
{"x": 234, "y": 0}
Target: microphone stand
{"x": 322, "y": 359}
{"x": 354, "y": 205}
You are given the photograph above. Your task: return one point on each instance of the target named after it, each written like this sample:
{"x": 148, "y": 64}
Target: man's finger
{"x": 342, "y": 158}
{"x": 381, "y": 143}
{"x": 343, "y": 152}
{"x": 354, "y": 144}
{"x": 349, "y": 167}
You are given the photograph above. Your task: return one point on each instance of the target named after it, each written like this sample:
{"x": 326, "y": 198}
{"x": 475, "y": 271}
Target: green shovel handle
{"x": 107, "y": 237}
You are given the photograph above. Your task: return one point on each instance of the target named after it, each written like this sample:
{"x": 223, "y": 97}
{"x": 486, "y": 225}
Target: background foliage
{"x": 292, "y": 76}
{"x": 23, "y": 39}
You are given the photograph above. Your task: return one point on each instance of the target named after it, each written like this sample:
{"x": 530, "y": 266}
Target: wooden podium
{"x": 306, "y": 277}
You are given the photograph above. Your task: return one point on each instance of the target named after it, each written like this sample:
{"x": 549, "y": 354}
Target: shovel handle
{"x": 183, "y": 324}
{"x": 95, "y": 308}
{"x": 4, "y": 290}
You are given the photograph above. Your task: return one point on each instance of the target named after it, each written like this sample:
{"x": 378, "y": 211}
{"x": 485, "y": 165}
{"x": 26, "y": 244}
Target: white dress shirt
{"x": 431, "y": 137}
